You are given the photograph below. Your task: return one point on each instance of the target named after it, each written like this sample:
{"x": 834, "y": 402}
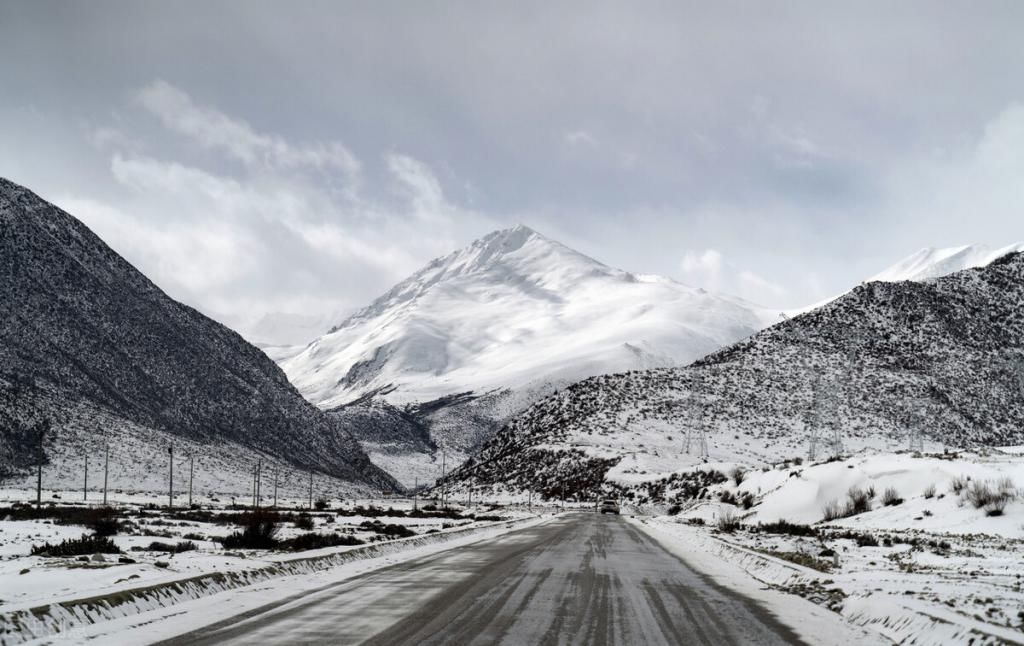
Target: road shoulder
{"x": 811, "y": 622}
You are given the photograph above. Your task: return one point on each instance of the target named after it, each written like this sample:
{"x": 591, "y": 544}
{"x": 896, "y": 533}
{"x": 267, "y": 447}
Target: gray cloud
{"x": 252, "y": 158}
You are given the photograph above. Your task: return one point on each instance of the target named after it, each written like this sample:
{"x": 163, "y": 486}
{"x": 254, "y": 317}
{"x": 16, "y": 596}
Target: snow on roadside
{"x": 815, "y": 624}
{"x": 158, "y": 623}
{"x": 921, "y": 562}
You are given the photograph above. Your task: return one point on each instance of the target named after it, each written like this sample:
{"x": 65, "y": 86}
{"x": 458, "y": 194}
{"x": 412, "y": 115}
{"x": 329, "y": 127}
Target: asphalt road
{"x": 581, "y": 579}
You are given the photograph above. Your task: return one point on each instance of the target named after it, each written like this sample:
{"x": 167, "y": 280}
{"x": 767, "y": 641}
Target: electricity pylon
{"x": 695, "y": 436}
{"x": 915, "y": 438}
{"x": 813, "y": 419}
{"x": 820, "y": 400}
{"x": 923, "y": 416}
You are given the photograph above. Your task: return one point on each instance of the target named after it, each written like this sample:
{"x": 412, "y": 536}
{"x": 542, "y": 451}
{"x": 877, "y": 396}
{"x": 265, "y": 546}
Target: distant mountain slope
{"x": 934, "y": 263}
{"x": 943, "y": 355}
{"x": 82, "y": 326}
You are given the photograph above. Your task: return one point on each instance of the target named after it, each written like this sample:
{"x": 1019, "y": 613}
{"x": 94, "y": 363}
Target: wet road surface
{"x": 580, "y": 579}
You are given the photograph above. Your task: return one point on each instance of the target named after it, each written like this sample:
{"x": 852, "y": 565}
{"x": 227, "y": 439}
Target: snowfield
{"x": 929, "y": 568}
{"x": 32, "y": 582}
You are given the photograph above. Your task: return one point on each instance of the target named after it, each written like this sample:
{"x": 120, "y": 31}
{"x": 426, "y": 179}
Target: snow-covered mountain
{"x": 926, "y": 264}
{"x": 945, "y": 356}
{"x": 933, "y": 263}
{"x": 477, "y": 336}
{"x": 90, "y": 344}
{"x": 511, "y": 309}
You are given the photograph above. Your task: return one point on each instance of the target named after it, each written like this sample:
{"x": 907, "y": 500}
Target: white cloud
{"x": 948, "y": 198}
{"x": 421, "y": 186}
{"x": 581, "y": 138}
{"x": 710, "y": 270}
{"x": 268, "y": 236}
{"x": 703, "y": 268}
{"x": 215, "y": 130}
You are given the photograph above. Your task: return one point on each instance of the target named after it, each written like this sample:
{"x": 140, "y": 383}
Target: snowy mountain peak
{"x": 519, "y": 249}
{"x": 510, "y": 309}
{"x": 932, "y": 262}
{"x": 516, "y": 256}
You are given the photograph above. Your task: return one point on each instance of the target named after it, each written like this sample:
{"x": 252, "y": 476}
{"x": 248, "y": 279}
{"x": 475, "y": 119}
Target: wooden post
{"x": 85, "y": 481}
{"x": 191, "y": 474}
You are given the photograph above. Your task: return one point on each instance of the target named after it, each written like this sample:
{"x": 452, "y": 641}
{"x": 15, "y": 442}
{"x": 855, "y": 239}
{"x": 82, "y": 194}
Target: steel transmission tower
{"x": 821, "y": 400}
{"x": 922, "y": 417}
{"x": 813, "y": 418}
{"x": 695, "y": 435}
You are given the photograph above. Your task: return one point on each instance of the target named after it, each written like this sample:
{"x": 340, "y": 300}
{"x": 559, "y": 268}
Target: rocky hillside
{"x": 942, "y": 355}
{"x": 83, "y": 329}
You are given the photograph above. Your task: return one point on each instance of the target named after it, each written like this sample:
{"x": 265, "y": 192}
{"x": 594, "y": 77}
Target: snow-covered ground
{"x": 28, "y": 581}
{"x": 932, "y": 567}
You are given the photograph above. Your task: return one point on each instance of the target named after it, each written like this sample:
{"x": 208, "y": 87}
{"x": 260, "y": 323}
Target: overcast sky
{"x": 302, "y": 157}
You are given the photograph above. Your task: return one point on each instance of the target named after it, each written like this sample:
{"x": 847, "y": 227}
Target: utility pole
{"x": 191, "y": 473}
{"x": 444, "y": 484}
{"x": 106, "y": 467}
{"x": 259, "y": 482}
{"x": 85, "y": 482}
{"x": 276, "y": 471}
{"x": 415, "y": 491}
{"x": 170, "y": 486}
{"x": 311, "y": 490}
{"x": 41, "y": 427}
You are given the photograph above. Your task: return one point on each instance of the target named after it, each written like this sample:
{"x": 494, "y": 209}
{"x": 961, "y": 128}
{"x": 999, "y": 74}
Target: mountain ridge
{"x": 942, "y": 355}
{"x": 82, "y": 324}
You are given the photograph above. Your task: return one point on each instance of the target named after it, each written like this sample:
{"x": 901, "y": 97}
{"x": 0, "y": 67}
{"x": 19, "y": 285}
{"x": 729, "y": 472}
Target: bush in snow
{"x": 858, "y": 501}
{"x": 102, "y": 521}
{"x": 992, "y": 496}
{"x": 181, "y": 546}
{"x": 303, "y": 521}
{"x": 728, "y": 522}
{"x": 738, "y": 475}
{"x": 929, "y": 491}
{"x": 783, "y": 526}
{"x": 259, "y": 532}
{"x": 317, "y": 541}
{"x": 77, "y": 547}
{"x": 958, "y": 484}
{"x": 890, "y": 497}
{"x": 832, "y": 511}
